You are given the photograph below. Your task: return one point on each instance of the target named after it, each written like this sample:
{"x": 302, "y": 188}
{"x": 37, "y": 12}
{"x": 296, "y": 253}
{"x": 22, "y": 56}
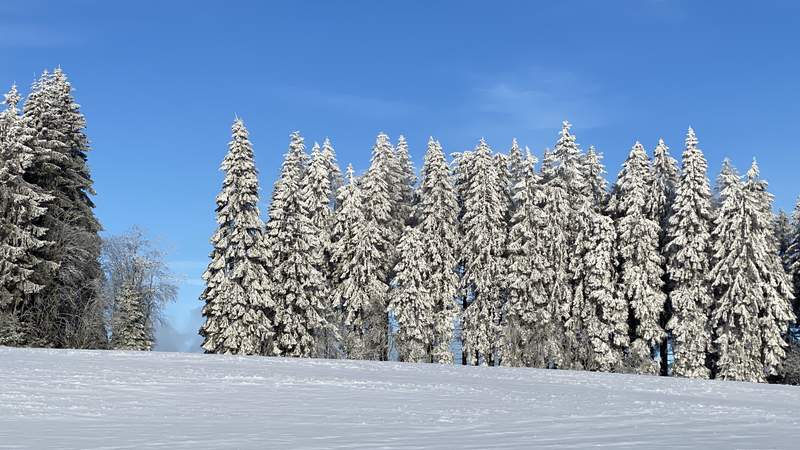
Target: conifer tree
{"x": 335, "y": 180}
{"x": 565, "y": 194}
{"x": 662, "y": 195}
{"x": 688, "y": 252}
{"x": 791, "y": 259}
{"x": 295, "y": 258}
{"x": 595, "y": 179}
{"x": 526, "y": 318}
{"x": 437, "y": 217}
{"x": 238, "y": 306}
{"x": 665, "y": 182}
{"x": 360, "y": 286}
{"x": 776, "y": 287}
{"x": 130, "y": 330}
{"x": 405, "y": 180}
{"x": 481, "y": 255}
{"x": 69, "y": 308}
{"x": 21, "y": 206}
{"x": 782, "y": 228}
{"x": 517, "y": 167}
{"x": 640, "y": 272}
{"x": 752, "y": 312}
{"x": 317, "y": 195}
{"x": 586, "y": 266}
{"x": 605, "y": 314}
{"x": 411, "y": 302}
{"x": 380, "y": 204}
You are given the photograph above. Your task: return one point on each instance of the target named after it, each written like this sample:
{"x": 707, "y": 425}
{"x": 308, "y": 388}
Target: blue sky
{"x": 160, "y": 82}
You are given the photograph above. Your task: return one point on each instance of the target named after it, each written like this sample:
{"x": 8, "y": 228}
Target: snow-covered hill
{"x": 105, "y": 400}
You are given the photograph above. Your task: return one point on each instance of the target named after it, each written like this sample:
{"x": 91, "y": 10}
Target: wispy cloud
{"x": 188, "y": 272}
{"x": 15, "y": 35}
{"x": 344, "y": 102}
{"x": 538, "y": 99}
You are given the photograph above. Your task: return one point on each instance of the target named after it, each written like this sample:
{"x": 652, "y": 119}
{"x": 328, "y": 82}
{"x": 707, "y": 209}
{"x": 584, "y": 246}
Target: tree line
{"x": 61, "y": 284}
{"x": 523, "y": 264}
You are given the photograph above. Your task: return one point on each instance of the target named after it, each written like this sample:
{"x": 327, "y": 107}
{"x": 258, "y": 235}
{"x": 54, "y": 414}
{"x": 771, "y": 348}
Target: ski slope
{"x": 129, "y": 400}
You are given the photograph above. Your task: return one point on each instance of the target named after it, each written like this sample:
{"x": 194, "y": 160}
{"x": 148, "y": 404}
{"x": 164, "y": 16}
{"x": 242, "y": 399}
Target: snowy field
{"x": 116, "y": 400}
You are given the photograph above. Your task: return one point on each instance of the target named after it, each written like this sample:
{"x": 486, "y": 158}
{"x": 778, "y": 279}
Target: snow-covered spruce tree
{"x": 517, "y": 167}
{"x": 752, "y": 312}
{"x": 526, "y": 318}
{"x": 335, "y": 180}
{"x": 776, "y": 287}
{"x": 437, "y": 220}
{"x": 318, "y": 197}
{"x": 665, "y": 182}
{"x": 791, "y": 260}
{"x": 462, "y": 178}
{"x": 238, "y": 306}
{"x": 129, "y": 322}
{"x": 662, "y": 195}
{"x": 688, "y": 252}
{"x": 605, "y": 315}
{"x": 595, "y": 178}
{"x": 589, "y": 266}
{"x": 410, "y": 301}
{"x": 639, "y": 281}
{"x": 68, "y": 311}
{"x": 404, "y": 187}
{"x": 295, "y": 258}
{"x": 359, "y": 278}
{"x": 21, "y": 205}
{"x": 565, "y": 192}
{"x": 482, "y": 249}
{"x": 782, "y": 228}
{"x": 735, "y": 284}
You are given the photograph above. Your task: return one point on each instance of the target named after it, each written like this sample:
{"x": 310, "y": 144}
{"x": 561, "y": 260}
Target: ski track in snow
{"x": 142, "y": 400}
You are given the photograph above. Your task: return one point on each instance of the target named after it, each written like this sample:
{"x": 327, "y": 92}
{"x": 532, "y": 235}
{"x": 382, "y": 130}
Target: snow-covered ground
{"x": 115, "y": 400}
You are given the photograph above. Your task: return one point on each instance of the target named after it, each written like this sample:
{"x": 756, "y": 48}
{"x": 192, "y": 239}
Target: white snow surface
{"x": 142, "y": 400}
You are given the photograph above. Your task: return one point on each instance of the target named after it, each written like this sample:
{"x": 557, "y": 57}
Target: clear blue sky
{"x": 160, "y": 82}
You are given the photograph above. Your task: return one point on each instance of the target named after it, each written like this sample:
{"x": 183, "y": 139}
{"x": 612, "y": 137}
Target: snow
{"x": 124, "y": 400}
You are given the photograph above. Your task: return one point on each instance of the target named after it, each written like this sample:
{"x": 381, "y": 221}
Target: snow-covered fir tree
{"x": 21, "y": 206}
{"x": 791, "y": 259}
{"x": 688, "y": 252}
{"x": 483, "y": 245}
{"x": 318, "y": 195}
{"x": 782, "y": 229}
{"x": 516, "y": 167}
{"x": 776, "y": 286}
{"x": 380, "y": 198}
{"x": 565, "y": 193}
{"x": 437, "y": 220}
{"x": 752, "y": 312}
{"x": 238, "y": 306}
{"x": 295, "y": 258}
{"x": 605, "y": 314}
{"x": 410, "y": 301}
{"x": 735, "y": 283}
{"x": 359, "y": 278}
{"x": 662, "y": 195}
{"x": 639, "y": 281}
{"x": 665, "y": 182}
{"x": 335, "y": 180}
{"x": 130, "y": 330}
{"x": 526, "y": 318}
{"x": 69, "y": 308}
{"x": 404, "y": 184}
{"x": 589, "y": 265}
{"x": 595, "y": 178}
